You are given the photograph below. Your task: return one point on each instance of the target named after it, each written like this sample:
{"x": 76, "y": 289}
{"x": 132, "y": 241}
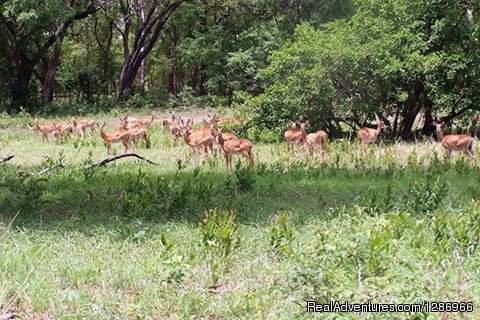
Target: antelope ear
{"x": 377, "y": 118}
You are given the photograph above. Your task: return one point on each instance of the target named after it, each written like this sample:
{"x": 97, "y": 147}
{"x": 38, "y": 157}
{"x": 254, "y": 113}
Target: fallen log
{"x": 106, "y": 161}
{"x": 7, "y": 158}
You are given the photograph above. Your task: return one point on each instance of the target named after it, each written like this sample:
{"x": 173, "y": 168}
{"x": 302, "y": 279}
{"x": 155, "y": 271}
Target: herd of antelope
{"x": 130, "y": 130}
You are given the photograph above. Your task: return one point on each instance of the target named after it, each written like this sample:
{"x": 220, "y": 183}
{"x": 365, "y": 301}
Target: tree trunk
{"x": 48, "y": 85}
{"x": 428, "y": 127}
{"x": 20, "y": 88}
{"x": 412, "y": 107}
{"x": 142, "y": 64}
{"x": 127, "y": 77}
{"x": 173, "y": 74}
{"x": 146, "y": 37}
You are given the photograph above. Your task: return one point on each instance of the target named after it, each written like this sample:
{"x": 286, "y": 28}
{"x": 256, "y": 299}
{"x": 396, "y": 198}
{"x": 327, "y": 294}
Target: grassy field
{"x": 398, "y": 224}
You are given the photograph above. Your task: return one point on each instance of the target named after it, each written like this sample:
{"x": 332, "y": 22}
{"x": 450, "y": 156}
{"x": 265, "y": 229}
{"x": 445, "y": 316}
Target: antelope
{"x": 83, "y": 124}
{"x": 175, "y": 128}
{"x": 138, "y": 132}
{"x": 197, "y": 138}
{"x": 369, "y": 136}
{"x": 117, "y": 136}
{"x": 136, "y": 122}
{"x": 235, "y": 146}
{"x": 64, "y": 130}
{"x": 296, "y": 134}
{"x": 167, "y": 123}
{"x": 317, "y": 139}
{"x": 455, "y": 142}
{"x": 45, "y": 129}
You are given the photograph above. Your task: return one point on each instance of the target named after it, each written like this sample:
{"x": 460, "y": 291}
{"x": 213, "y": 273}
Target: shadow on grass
{"x": 83, "y": 200}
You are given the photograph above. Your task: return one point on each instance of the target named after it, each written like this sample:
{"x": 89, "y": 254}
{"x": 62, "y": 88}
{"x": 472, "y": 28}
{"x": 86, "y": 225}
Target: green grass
{"x": 132, "y": 241}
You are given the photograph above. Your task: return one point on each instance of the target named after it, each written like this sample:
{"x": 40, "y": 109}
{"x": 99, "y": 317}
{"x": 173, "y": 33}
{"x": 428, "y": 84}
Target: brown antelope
{"x": 140, "y": 131}
{"x": 139, "y": 122}
{"x": 369, "y": 136}
{"x": 455, "y": 142}
{"x": 235, "y": 146}
{"x": 175, "y": 128}
{"x": 296, "y": 134}
{"x": 45, "y": 129}
{"x": 64, "y": 130}
{"x": 117, "y": 136}
{"x": 83, "y": 124}
{"x": 198, "y": 138}
{"x": 166, "y": 123}
{"x": 317, "y": 140}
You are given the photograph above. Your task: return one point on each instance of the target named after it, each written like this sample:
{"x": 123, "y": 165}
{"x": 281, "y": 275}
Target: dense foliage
{"x": 399, "y": 58}
{"x": 334, "y": 62}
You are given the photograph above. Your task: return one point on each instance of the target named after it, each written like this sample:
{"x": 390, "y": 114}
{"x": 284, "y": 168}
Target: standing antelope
{"x": 63, "y": 130}
{"x": 134, "y": 122}
{"x": 45, "y": 129}
{"x": 118, "y": 136}
{"x": 369, "y": 136}
{"x": 198, "y": 138}
{"x": 175, "y": 128}
{"x": 455, "y": 142}
{"x": 235, "y": 146}
{"x": 83, "y": 124}
{"x": 139, "y": 131}
{"x": 296, "y": 134}
{"x": 317, "y": 139}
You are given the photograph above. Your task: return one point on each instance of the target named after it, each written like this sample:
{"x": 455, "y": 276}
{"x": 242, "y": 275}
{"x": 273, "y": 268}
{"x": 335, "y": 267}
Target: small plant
{"x": 218, "y": 228}
{"x": 245, "y": 177}
{"x": 281, "y": 235}
{"x": 380, "y": 202}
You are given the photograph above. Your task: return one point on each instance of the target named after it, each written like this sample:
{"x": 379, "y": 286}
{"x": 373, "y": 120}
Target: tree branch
{"x": 7, "y": 158}
{"x": 121, "y": 156}
{"x": 91, "y": 9}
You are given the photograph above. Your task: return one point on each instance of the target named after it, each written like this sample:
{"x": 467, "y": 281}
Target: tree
{"x": 31, "y": 30}
{"x": 405, "y": 59}
{"x": 149, "y": 19}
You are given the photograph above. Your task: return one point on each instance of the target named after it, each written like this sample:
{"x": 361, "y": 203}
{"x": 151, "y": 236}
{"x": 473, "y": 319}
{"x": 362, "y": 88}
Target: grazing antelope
{"x": 83, "y": 124}
{"x": 317, "y": 140}
{"x": 455, "y": 142}
{"x": 296, "y": 134}
{"x": 44, "y": 129}
{"x": 369, "y": 136}
{"x": 117, "y": 136}
{"x": 235, "y": 146}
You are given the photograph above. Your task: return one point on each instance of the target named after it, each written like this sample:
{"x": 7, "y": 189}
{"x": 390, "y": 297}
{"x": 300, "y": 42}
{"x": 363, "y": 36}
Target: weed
{"x": 282, "y": 235}
{"x": 218, "y": 230}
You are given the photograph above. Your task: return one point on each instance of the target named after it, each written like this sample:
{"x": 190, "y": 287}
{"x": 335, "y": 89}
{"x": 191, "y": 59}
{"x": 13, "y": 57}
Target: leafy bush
{"x": 246, "y": 177}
